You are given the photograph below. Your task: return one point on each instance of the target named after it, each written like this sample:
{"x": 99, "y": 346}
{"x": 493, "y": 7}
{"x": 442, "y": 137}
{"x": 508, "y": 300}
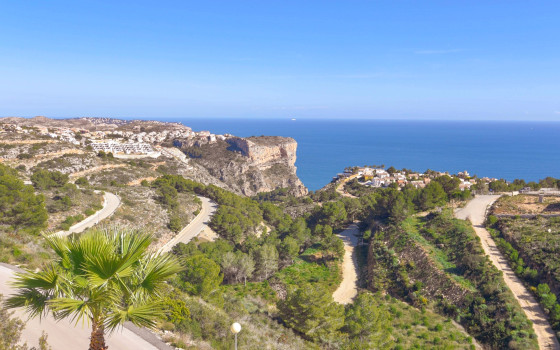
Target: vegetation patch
{"x": 531, "y": 245}
{"x": 526, "y": 204}
{"x": 476, "y": 296}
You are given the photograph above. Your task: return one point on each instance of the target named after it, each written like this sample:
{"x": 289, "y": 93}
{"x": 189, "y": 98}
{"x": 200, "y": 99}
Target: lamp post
{"x": 235, "y": 328}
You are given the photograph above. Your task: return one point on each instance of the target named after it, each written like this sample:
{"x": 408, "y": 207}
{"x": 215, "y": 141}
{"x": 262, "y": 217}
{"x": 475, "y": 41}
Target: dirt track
{"x": 96, "y": 169}
{"x": 340, "y": 187}
{"x": 348, "y": 288}
{"x": 476, "y": 211}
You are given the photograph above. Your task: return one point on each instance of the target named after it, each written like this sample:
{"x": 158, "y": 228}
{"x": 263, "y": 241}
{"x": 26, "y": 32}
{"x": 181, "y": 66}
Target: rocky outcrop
{"x": 251, "y": 165}
{"x": 242, "y": 165}
{"x": 266, "y": 149}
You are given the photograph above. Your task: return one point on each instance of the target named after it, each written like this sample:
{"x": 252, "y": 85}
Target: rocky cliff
{"x": 243, "y": 165}
{"x": 266, "y": 149}
{"x": 250, "y": 165}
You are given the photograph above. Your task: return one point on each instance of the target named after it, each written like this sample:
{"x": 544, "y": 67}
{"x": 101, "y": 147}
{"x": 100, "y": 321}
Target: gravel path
{"x": 476, "y": 212}
{"x": 340, "y": 187}
{"x": 348, "y": 288}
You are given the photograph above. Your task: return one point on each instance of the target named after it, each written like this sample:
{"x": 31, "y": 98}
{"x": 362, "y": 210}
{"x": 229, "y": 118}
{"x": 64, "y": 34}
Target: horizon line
{"x": 291, "y": 118}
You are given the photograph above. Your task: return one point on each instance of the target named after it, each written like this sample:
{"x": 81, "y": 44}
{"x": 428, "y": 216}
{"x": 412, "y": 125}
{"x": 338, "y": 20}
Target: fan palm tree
{"x": 105, "y": 277}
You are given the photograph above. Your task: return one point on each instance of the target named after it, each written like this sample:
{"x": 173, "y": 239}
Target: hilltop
{"x": 242, "y": 165}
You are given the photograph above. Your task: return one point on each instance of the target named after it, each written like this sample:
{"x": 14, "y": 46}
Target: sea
{"x": 500, "y": 149}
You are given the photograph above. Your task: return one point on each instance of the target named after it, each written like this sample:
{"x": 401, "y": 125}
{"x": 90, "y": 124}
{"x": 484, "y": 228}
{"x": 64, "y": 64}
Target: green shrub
{"x": 24, "y": 156}
{"x": 82, "y": 181}
{"x": 175, "y": 224}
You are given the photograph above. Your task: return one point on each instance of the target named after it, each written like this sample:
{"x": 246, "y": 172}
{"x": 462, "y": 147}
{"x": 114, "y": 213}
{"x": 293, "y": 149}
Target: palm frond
{"x": 104, "y": 275}
{"x": 46, "y": 280}
{"x": 156, "y": 270}
{"x": 31, "y": 300}
{"x": 60, "y": 246}
{"x": 75, "y": 309}
{"x": 143, "y": 316}
{"x": 129, "y": 246}
{"x": 100, "y": 270}
{"x": 132, "y": 245}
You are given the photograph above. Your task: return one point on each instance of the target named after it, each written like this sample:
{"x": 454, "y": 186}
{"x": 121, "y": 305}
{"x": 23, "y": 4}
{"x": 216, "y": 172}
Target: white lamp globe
{"x": 235, "y": 328}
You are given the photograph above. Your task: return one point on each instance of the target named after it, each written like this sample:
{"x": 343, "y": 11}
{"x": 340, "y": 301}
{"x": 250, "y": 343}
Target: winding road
{"x": 475, "y": 210}
{"x": 110, "y": 204}
{"x": 348, "y": 288}
{"x": 195, "y": 226}
{"x": 65, "y": 335}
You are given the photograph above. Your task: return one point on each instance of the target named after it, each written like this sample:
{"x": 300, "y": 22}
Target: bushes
{"x": 167, "y": 189}
{"x": 59, "y": 203}
{"x": 20, "y": 208}
{"x": 24, "y": 156}
{"x": 82, "y": 181}
{"x": 310, "y": 310}
{"x": 485, "y": 305}
{"x": 44, "y": 179}
{"x": 201, "y": 276}
{"x": 105, "y": 155}
{"x": 69, "y": 221}
{"x": 545, "y": 296}
{"x": 175, "y": 224}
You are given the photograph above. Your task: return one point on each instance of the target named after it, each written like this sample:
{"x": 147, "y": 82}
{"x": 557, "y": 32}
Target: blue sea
{"x": 509, "y": 150}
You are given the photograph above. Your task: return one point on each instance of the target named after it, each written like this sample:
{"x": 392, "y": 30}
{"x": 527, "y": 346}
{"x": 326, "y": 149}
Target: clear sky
{"x": 349, "y": 59}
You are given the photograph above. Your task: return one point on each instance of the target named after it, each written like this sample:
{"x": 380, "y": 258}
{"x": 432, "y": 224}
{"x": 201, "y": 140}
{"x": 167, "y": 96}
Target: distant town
{"x": 380, "y": 177}
{"x": 117, "y": 142}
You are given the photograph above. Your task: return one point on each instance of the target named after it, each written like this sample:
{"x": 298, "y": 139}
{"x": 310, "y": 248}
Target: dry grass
{"x": 526, "y": 204}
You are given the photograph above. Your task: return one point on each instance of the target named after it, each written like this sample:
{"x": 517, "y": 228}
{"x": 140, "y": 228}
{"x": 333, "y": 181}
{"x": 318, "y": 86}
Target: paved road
{"x": 110, "y": 203}
{"x": 196, "y": 225}
{"x": 64, "y": 335}
{"x": 476, "y": 211}
{"x": 348, "y": 288}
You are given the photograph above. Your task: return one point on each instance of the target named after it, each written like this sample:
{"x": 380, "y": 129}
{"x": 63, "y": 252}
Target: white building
{"x": 127, "y": 148}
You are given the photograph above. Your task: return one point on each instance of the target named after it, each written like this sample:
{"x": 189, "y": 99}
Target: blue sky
{"x": 266, "y": 59}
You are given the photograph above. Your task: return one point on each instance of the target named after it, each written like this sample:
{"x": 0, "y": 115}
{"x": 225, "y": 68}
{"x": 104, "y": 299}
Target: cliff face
{"x": 251, "y": 165}
{"x": 266, "y": 149}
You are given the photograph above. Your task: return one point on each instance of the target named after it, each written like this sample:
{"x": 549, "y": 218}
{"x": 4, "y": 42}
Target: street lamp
{"x": 235, "y": 328}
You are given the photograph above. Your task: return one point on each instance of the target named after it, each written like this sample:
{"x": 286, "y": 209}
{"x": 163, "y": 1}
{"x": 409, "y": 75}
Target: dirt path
{"x": 476, "y": 212}
{"x": 340, "y": 186}
{"x": 37, "y": 158}
{"x": 26, "y": 142}
{"x": 96, "y": 169}
{"x": 139, "y": 181}
{"x": 348, "y": 288}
